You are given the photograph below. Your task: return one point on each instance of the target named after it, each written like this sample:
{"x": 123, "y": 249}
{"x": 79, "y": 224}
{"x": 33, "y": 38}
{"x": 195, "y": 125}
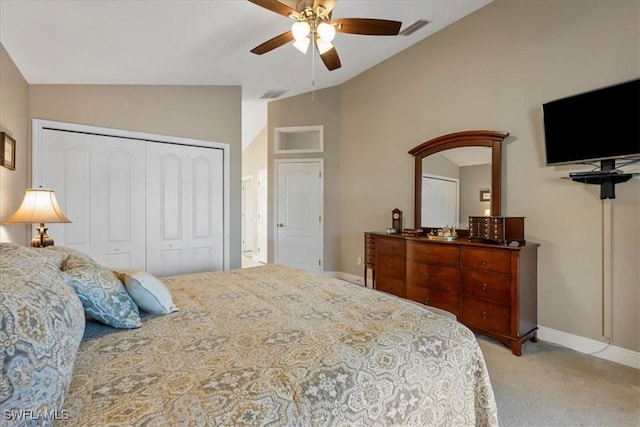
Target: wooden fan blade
{"x": 328, "y": 5}
{"x": 275, "y": 6}
{"x": 366, "y": 26}
{"x": 331, "y": 59}
{"x": 273, "y": 43}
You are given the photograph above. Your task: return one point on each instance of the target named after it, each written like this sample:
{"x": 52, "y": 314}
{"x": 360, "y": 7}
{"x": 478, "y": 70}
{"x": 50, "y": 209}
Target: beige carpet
{"x": 554, "y": 386}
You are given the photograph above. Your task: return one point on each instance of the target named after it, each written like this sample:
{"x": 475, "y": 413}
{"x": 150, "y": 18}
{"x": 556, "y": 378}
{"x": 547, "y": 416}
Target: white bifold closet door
{"x": 184, "y": 209}
{"x": 137, "y": 204}
{"x": 100, "y": 183}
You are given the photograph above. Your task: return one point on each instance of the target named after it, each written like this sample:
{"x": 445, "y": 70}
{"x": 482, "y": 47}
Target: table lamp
{"x": 39, "y": 206}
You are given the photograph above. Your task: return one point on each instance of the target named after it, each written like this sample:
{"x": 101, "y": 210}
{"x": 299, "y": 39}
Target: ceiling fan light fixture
{"x": 326, "y": 32}
{"x": 323, "y": 46}
{"x": 302, "y": 45}
{"x": 300, "y": 30}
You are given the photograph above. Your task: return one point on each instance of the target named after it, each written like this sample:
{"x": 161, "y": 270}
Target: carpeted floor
{"x": 554, "y": 386}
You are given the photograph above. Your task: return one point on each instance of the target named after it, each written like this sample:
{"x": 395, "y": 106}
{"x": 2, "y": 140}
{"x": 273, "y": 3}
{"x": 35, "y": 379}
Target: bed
{"x": 268, "y": 345}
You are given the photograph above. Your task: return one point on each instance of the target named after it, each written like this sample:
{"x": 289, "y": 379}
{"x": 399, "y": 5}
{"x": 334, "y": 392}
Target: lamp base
{"x": 42, "y": 239}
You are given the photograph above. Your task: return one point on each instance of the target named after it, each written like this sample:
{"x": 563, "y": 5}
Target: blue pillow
{"x": 103, "y": 295}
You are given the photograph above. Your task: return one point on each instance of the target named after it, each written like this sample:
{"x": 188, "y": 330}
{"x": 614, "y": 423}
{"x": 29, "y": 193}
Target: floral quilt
{"x": 277, "y": 346}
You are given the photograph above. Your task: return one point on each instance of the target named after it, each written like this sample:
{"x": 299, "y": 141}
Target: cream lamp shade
{"x": 39, "y": 206}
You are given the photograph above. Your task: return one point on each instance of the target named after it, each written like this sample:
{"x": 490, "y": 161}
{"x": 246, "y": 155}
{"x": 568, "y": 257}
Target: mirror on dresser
{"x": 456, "y": 176}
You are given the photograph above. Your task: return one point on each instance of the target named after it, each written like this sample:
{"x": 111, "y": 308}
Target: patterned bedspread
{"x": 273, "y": 345}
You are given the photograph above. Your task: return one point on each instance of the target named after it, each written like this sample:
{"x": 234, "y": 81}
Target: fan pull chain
{"x": 313, "y": 70}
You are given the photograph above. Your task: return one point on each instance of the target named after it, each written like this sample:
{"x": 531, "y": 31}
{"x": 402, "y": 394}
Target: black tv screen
{"x": 596, "y": 125}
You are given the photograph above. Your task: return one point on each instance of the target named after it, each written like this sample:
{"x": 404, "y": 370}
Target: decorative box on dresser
{"x": 491, "y": 288}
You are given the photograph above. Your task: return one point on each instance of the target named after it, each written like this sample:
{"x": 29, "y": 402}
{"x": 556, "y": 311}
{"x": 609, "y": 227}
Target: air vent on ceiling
{"x": 413, "y": 27}
{"x": 272, "y": 94}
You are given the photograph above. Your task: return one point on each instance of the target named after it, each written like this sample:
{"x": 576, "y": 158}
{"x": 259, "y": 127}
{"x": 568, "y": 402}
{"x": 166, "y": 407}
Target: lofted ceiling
{"x": 199, "y": 42}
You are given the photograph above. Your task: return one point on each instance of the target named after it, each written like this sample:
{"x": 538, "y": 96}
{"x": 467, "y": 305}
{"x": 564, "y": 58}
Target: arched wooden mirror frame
{"x": 472, "y": 138}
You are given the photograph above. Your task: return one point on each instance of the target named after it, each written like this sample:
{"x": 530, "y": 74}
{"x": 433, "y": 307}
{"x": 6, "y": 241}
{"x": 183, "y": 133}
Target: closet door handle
{"x": 281, "y": 225}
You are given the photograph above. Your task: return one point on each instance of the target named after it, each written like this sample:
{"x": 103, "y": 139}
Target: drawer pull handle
{"x": 484, "y": 261}
{"x": 426, "y": 300}
{"x": 484, "y": 314}
{"x": 390, "y": 267}
{"x": 426, "y": 254}
{"x": 484, "y": 286}
{"x": 390, "y": 248}
{"x": 426, "y": 277}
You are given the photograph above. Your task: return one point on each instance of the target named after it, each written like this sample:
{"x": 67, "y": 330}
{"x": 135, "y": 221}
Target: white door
{"x": 100, "y": 183}
{"x": 261, "y": 217}
{"x": 248, "y": 223}
{"x": 184, "y": 219}
{"x": 299, "y": 214}
{"x": 440, "y": 197}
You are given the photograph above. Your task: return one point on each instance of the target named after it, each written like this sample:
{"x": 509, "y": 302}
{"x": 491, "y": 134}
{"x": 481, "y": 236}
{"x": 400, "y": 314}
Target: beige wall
{"x": 254, "y": 157}
{"x": 207, "y": 113}
{"x": 303, "y": 110}
{"x": 14, "y": 120}
{"x": 493, "y": 70}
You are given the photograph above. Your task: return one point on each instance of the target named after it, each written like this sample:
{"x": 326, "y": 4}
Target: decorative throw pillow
{"x": 103, "y": 296}
{"x": 73, "y": 257}
{"x": 13, "y": 255}
{"x": 149, "y": 293}
{"x": 41, "y": 326}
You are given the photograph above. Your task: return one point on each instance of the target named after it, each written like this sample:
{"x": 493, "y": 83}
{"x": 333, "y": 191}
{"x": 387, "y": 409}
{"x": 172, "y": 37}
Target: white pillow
{"x": 149, "y": 293}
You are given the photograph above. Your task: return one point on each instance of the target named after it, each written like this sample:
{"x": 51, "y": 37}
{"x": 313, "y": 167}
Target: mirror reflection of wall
{"x": 474, "y": 178}
{"x": 471, "y": 167}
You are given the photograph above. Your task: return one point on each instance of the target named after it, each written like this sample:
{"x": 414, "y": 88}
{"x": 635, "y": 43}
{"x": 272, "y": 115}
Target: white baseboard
{"x": 588, "y": 346}
{"x": 581, "y": 344}
{"x": 352, "y": 278}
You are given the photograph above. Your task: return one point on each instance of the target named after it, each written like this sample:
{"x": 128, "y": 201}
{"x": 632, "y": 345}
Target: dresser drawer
{"x": 391, "y": 266}
{"x": 433, "y": 276}
{"x": 485, "y": 315}
{"x": 390, "y": 246}
{"x": 435, "y": 253}
{"x": 489, "y": 286}
{"x": 391, "y": 285}
{"x": 449, "y": 301}
{"x": 498, "y": 261}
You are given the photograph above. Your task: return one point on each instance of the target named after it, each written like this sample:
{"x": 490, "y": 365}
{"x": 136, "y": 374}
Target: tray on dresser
{"x": 442, "y": 238}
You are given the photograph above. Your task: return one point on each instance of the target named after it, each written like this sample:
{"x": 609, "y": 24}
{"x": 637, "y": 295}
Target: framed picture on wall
{"x": 485, "y": 195}
{"x": 7, "y": 151}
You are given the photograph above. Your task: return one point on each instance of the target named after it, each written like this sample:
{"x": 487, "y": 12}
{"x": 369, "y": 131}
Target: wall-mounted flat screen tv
{"x": 595, "y": 125}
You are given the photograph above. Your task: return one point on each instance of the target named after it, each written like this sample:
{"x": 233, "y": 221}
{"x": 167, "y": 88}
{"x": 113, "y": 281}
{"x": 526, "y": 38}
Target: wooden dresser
{"x": 491, "y": 288}
{"x": 370, "y": 258}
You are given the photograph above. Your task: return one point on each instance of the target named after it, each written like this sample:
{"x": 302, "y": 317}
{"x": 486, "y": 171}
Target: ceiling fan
{"x": 313, "y": 18}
